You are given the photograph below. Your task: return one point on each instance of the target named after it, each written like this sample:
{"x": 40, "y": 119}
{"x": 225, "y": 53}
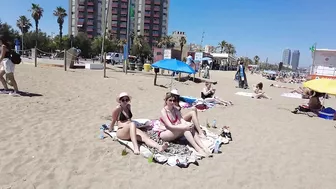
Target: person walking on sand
{"x": 241, "y": 75}
{"x": 7, "y": 67}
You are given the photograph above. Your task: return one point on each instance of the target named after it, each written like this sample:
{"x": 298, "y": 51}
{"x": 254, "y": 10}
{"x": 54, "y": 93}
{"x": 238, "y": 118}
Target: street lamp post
{"x": 22, "y": 37}
{"x": 104, "y": 27}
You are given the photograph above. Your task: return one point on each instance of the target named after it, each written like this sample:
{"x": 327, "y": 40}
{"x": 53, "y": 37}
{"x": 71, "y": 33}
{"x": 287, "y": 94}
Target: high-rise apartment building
{"x": 150, "y": 18}
{"x": 85, "y": 16}
{"x": 295, "y": 59}
{"x": 286, "y": 57}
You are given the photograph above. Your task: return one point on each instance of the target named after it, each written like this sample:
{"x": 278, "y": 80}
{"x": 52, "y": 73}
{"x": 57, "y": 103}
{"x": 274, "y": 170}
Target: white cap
{"x": 175, "y": 92}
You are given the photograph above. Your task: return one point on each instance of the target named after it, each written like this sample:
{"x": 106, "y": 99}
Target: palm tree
{"x": 138, "y": 41}
{"x": 24, "y": 24}
{"x": 166, "y": 42}
{"x": 121, "y": 43}
{"x": 222, "y": 45}
{"x": 256, "y": 59}
{"x": 230, "y": 49}
{"x": 60, "y": 13}
{"x": 182, "y": 41}
{"x": 36, "y": 13}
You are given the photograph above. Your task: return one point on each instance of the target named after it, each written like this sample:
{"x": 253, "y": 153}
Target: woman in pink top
{"x": 176, "y": 126}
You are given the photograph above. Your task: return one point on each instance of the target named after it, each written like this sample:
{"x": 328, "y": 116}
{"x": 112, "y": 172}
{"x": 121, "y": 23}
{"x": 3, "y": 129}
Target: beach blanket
{"x": 199, "y": 104}
{"x": 292, "y": 95}
{"x": 244, "y": 94}
{"x": 177, "y": 154}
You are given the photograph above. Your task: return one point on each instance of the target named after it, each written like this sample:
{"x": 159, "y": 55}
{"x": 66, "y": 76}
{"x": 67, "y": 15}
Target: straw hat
{"x": 121, "y": 95}
{"x": 175, "y": 92}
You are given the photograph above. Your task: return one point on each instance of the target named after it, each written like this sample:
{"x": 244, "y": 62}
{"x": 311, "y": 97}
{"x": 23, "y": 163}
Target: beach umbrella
{"x": 173, "y": 65}
{"x": 322, "y": 85}
{"x": 206, "y": 58}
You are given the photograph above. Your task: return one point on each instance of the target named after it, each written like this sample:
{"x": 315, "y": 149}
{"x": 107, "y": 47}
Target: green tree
{"x": 60, "y": 13}
{"x": 230, "y": 49}
{"x": 43, "y": 40}
{"x": 24, "y": 25}
{"x": 82, "y": 42}
{"x": 222, "y": 46}
{"x": 182, "y": 41}
{"x": 141, "y": 48}
{"x": 166, "y": 42}
{"x": 7, "y": 30}
{"x": 109, "y": 45}
{"x": 256, "y": 59}
{"x": 36, "y": 13}
{"x": 120, "y": 44}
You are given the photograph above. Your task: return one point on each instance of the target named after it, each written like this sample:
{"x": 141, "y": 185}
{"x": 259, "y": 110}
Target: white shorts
{"x": 7, "y": 65}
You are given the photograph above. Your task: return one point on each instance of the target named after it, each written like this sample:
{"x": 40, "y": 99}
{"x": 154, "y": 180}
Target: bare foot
{"x": 136, "y": 152}
{"x": 202, "y": 135}
{"x": 202, "y": 153}
{"x": 163, "y": 147}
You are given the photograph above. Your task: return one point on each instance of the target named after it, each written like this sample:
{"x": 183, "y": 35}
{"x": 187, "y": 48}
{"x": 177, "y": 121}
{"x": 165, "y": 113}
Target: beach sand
{"x": 52, "y": 141}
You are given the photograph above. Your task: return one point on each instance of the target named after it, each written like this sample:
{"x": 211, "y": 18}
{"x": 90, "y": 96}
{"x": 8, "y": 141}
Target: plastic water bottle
{"x": 214, "y": 124}
{"x": 102, "y": 134}
{"x": 217, "y": 145}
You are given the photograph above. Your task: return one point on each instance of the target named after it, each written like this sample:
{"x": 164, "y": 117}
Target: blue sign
{"x": 125, "y": 51}
{"x": 17, "y": 42}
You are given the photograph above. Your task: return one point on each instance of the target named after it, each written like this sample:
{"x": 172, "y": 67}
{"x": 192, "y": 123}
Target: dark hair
{"x": 317, "y": 94}
{"x": 260, "y": 86}
{"x": 5, "y": 40}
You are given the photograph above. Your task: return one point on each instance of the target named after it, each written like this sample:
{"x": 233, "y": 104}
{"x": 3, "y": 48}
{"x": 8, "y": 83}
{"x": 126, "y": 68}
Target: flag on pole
{"x": 131, "y": 11}
{"x": 313, "y": 48}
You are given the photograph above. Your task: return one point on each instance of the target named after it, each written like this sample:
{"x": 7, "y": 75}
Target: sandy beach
{"x": 51, "y": 141}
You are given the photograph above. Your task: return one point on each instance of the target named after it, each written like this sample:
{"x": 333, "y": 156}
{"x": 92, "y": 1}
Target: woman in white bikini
{"x": 122, "y": 115}
{"x": 175, "y": 126}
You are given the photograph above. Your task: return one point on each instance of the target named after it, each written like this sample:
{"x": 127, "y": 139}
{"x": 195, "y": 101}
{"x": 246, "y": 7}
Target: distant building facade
{"x": 295, "y": 59}
{"x": 286, "y": 57}
{"x": 148, "y": 18}
{"x": 176, "y": 36}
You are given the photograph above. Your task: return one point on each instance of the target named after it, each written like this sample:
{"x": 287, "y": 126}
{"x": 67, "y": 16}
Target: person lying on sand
{"x": 122, "y": 115}
{"x": 259, "y": 92}
{"x": 208, "y": 95}
{"x": 190, "y": 116}
{"x": 305, "y": 92}
{"x": 176, "y": 126}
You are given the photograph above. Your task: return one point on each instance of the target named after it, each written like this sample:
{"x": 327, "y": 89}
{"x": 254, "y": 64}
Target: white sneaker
{"x": 14, "y": 94}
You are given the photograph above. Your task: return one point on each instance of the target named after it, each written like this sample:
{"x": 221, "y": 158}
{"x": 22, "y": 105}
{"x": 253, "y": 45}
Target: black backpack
{"x": 15, "y": 58}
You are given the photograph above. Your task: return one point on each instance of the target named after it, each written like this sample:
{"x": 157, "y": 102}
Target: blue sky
{"x": 255, "y": 27}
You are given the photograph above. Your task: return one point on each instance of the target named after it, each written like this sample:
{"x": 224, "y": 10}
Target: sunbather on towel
{"x": 127, "y": 130}
{"x": 314, "y": 104}
{"x": 208, "y": 95}
{"x": 305, "y": 92}
{"x": 176, "y": 126}
{"x": 191, "y": 116}
{"x": 259, "y": 92}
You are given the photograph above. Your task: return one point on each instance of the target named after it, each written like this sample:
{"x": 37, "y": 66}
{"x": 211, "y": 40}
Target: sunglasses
{"x": 171, "y": 100}
{"x": 125, "y": 100}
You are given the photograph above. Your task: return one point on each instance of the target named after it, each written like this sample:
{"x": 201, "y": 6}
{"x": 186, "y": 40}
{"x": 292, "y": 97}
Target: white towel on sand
{"x": 244, "y": 94}
{"x": 292, "y": 95}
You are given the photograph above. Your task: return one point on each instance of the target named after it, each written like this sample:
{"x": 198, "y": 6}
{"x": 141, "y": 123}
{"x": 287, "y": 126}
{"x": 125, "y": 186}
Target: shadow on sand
{"x": 21, "y": 93}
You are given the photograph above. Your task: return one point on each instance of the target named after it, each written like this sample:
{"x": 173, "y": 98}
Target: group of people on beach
{"x": 173, "y": 123}
{"x": 7, "y": 67}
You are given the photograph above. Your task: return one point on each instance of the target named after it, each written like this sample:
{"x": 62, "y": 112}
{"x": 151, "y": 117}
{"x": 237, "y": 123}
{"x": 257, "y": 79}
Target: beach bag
{"x": 15, "y": 58}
